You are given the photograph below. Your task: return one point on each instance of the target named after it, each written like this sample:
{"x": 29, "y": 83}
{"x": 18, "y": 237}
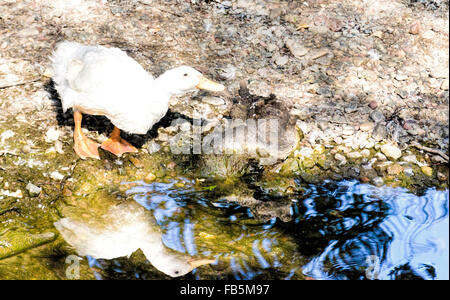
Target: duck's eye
{"x": 185, "y": 74}
{"x": 178, "y": 272}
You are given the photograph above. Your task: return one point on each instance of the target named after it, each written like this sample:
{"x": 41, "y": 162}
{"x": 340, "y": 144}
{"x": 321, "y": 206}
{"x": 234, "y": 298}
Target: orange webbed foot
{"x": 86, "y": 148}
{"x": 116, "y": 145}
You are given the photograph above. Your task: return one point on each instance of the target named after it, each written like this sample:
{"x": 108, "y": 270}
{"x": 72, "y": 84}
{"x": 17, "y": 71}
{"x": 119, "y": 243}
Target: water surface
{"x": 337, "y": 230}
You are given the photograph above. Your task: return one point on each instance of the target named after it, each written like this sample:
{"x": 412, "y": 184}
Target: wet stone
{"x": 33, "y": 190}
{"x": 394, "y": 169}
{"x": 428, "y": 171}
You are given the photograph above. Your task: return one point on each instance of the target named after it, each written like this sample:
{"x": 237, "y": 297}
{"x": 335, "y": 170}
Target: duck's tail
{"x": 64, "y": 55}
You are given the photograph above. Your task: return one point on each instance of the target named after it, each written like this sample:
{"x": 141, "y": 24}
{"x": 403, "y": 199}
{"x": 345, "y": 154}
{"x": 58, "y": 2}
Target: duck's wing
{"x": 102, "y": 243}
{"x": 93, "y": 77}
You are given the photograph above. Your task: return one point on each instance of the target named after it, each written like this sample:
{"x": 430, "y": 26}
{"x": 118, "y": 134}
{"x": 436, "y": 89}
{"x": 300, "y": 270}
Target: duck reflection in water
{"x": 124, "y": 229}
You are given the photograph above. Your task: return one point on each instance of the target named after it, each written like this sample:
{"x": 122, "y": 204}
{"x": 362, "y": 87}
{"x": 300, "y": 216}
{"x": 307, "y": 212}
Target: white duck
{"x": 120, "y": 232}
{"x": 105, "y": 81}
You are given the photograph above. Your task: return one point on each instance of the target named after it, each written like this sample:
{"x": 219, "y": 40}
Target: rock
{"x": 415, "y": 28}
{"x": 379, "y": 132}
{"x": 228, "y": 73}
{"x": 33, "y": 190}
{"x": 364, "y": 179}
{"x": 325, "y": 91}
{"x": 408, "y": 172}
{"x": 338, "y": 140}
{"x": 16, "y": 194}
{"x": 441, "y": 176}
{"x": 281, "y": 60}
{"x": 401, "y": 77}
{"x": 444, "y": 85}
{"x": 153, "y": 147}
{"x": 305, "y": 152}
{"x": 52, "y": 135}
{"x": 380, "y": 156}
{"x": 56, "y": 175}
{"x": 391, "y": 151}
{"x": 377, "y": 116}
{"x": 136, "y": 162}
{"x": 378, "y": 181}
{"x": 318, "y": 53}
{"x": 410, "y": 158}
{"x": 150, "y": 178}
{"x": 365, "y": 153}
{"x": 7, "y": 134}
{"x": 429, "y": 34}
{"x": 308, "y": 163}
{"x": 341, "y": 158}
{"x": 367, "y": 126}
{"x": 296, "y": 48}
{"x": 428, "y": 171}
{"x": 334, "y": 24}
{"x": 354, "y": 155}
{"x": 394, "y": 169}
{"x": 213, "y": 100}
{"x": 171, "y": 166}
{"x": 373, "y": 104}
{"x": 19, "y": 241}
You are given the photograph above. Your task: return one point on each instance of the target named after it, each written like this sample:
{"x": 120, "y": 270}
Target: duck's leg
{"x": 83, "y": 146}
{"x": 116, "y": 145}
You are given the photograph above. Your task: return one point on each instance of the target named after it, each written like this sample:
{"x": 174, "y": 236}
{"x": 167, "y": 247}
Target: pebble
{"x": 354, "y": 155}
{"x": 379, "y": 132}
{"x": 415, "y": 28}
{"x": 408, "y": 172}
{"x": 281, "y": 60}
{"x": 373, "y": 104}
{"x": 338, "y": 140}
{"x": 56, "y": 175}
{"x": 150, "y": 178}
{"x": 52, "y": 135}
{"x": 444, "y": 85}
{"x": 429, "y": 34}
{"x": 33, "y": 190}
{"x": 377, "y": 116}
{"x": 367, "y": 126}
{"x": 228, "y": 73}
{"x": 296, "y": 48}
{"x": 153, "y": 147}
{"x": 391, "y": 151}
{"x": 341, "y": 158}
{"x": 428, "y": 171}
{"x": 213, "y": 100}
{"x": 365, "y": 153}
{"x": 378, "y": 181}
{"x": 136, "y": 162}
{"x": 410, "y": 158}
{"x": 6, "y": 135}
{"x": 441, "y": 176}
{"x": 324, "y": 91}
{"x": 394, "y": 169}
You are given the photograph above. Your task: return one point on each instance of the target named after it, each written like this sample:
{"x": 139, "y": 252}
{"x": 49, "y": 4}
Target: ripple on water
{"x": 340, "y": 230}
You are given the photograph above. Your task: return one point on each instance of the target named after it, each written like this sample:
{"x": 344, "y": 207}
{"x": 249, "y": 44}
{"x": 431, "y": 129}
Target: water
{"x": 337, "y": 230}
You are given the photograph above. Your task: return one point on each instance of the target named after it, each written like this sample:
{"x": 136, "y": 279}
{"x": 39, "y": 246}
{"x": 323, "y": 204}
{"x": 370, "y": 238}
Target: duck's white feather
{"x": 119, "y": 232}
{"x": 105, "y": 81}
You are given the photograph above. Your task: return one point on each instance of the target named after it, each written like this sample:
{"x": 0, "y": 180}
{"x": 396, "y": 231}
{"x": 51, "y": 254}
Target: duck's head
{"x": 174, "y": 264}
{"x": 185, "y": 79}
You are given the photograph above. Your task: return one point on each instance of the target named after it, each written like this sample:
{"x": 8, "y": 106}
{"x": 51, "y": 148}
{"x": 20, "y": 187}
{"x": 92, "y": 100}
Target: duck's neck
{"x": 165, "y": 86}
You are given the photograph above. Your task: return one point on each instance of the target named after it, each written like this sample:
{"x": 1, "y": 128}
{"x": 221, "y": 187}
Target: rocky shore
{"x": 359, "y": 90}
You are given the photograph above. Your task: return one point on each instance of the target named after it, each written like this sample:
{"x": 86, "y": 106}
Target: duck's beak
{"x": 195, "y": 263}
{"x": 209, "y": 85}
